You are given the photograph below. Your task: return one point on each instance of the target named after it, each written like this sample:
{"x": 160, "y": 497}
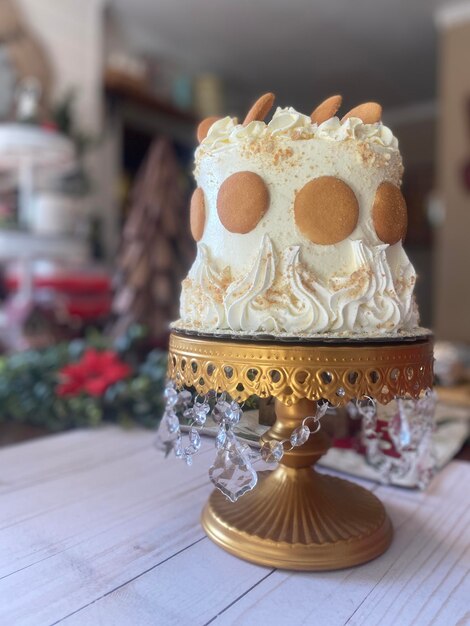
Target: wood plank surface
{"x": 96, "y": 527}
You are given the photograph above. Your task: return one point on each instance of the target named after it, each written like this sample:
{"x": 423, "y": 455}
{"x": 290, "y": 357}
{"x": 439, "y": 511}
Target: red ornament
{"x": 49, "y": 125}
{"x": 93, "y": 374}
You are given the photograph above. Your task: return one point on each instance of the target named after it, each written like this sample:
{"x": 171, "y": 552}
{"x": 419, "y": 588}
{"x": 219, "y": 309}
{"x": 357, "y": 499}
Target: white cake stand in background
{"x": 30, "y": 150}
{"x": 27, "y": 151}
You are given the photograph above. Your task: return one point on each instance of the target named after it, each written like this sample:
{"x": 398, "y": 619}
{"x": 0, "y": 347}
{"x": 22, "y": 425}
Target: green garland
{"x": 29, "y": 384}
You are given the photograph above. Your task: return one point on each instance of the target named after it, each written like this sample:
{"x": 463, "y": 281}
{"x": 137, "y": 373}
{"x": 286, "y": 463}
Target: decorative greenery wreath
{"x": 84, "y": 383}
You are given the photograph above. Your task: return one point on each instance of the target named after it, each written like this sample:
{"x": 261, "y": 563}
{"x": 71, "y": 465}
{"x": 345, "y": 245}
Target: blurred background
{"x": 99, "y": 101}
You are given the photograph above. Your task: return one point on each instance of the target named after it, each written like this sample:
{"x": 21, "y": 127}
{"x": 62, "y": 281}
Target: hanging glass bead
{"x": 399, "y": 426}
{"x": 234, "y": 413}
{"x": 188, "y": 414}
{"x": 366, "y": 407}
{"x": 172, "y": 421}
{"x": 368, "y": 410}
{"x": 164, "y": 441}
{"x": 200, "y": 412}
{"x": 178, "y": 446}
{"x": 194, "y": 438}
{"x": 272, "y": 451}
{"x": 299, "y": 436}
{"x": 221, "y": 408}
{"x": 184, "y": 398}
{"x": 171, "y": 395}
{"x": 322, "y": 408}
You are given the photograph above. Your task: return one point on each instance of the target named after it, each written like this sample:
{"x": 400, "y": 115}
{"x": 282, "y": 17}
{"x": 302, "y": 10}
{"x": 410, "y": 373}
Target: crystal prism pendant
{"x": 299, "y": 436}
{"x": 231, "y": 473}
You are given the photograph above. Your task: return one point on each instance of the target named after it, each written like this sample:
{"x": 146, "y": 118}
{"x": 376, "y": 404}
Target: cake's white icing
{"x": 225, "y": 133}
{"x": 279, "y": 294}
{"x": 273, "y": 279}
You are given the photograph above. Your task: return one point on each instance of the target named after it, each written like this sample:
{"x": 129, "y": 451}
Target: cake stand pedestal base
{"x": 297, "y": 518}
{"x": 321, "y": 522}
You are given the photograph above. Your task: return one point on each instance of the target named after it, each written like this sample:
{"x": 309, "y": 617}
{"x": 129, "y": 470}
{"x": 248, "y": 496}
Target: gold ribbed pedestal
{"x": 297, "y": 518}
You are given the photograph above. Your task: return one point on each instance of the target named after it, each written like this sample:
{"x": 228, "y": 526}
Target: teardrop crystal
{"x": 231, "y": 473}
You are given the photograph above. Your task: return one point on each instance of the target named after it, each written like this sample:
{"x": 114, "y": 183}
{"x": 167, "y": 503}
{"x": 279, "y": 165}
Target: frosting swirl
{"x": 404, "y": 285}
{"x": 244, "y": 304}
{"x": 280, "y": 293}
{"x": 305, "y": 301}
{"x": 218, "y": 135}
{"x": 354, "y": 128}
{"x": 288, "y": 123}
{"x": 285, "y": 120}
{"x": 366, "y": 299}
{"x": 202, "y": 292}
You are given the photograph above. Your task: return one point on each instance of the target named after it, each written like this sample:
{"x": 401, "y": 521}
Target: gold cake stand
{"x": 297, "y": 518}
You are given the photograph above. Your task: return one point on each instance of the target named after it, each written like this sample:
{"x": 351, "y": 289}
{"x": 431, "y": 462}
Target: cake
{"x": 299, "y": 224}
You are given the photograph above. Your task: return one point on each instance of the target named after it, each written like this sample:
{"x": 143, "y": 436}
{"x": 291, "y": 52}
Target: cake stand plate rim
{"x": 263, "y": 338}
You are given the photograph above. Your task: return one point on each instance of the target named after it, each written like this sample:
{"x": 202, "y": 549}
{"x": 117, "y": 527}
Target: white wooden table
{"x": 97, "y": 528}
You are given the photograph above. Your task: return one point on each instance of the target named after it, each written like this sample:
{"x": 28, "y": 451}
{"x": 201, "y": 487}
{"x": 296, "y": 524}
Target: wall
{"x": 71, "y": 32}
{"x": 452, "y": 293}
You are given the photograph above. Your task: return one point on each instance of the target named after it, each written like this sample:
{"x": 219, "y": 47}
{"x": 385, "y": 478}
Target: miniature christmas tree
{"x": 156, "y": 248}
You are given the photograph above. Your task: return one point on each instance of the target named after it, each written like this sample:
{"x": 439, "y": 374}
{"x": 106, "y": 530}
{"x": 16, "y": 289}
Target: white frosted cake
{"x": 299, "y": 225}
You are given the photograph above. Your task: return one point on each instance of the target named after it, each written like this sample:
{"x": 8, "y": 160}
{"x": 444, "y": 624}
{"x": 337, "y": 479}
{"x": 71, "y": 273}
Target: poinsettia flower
{"x": 93, "y": 374}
